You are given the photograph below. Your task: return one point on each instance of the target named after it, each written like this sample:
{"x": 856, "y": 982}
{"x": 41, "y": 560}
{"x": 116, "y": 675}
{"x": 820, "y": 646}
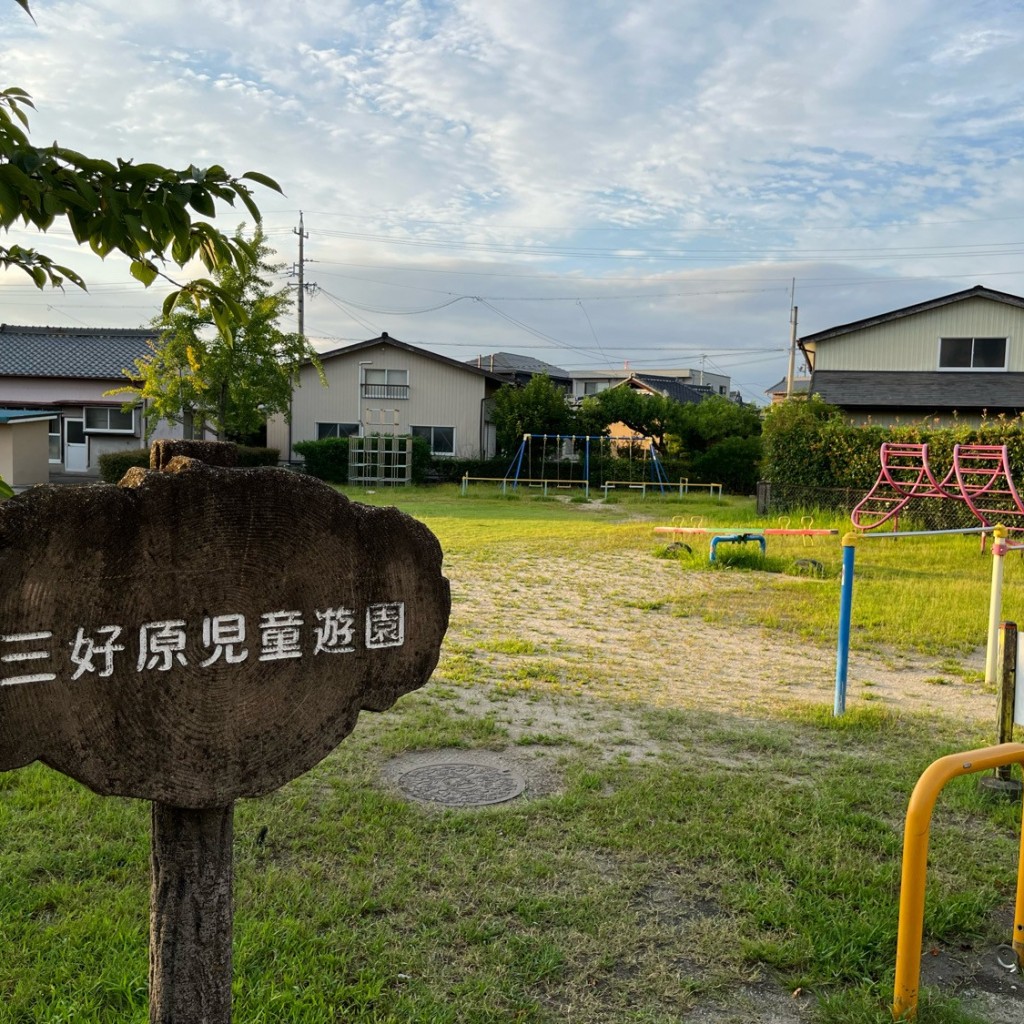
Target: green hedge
{"x": 114, "y": 465}
{"x": 810, "y": 444}
{"x": 250, "y": 456}
{"x": 326, "y": 459}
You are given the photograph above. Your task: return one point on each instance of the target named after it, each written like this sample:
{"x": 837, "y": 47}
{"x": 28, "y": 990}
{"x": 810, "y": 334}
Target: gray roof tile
{"x": 928, "y": 390}
{"x": 672, "y": 387}
{"x": 95, "y": 353}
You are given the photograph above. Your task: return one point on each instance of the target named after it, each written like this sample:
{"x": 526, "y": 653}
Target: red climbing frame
{"x": 905, "y": 474}
{"x": 980, "y": 476}
{"x": 983, "y": 476}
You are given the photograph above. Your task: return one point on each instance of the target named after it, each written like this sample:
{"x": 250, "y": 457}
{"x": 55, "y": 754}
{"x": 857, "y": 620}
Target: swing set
{"x": 564, "y": 461}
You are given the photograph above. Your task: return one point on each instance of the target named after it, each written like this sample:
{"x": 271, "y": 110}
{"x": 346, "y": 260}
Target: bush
{"x": 810, "y": 444}
{"x": 252, "y": 456}
{"x": 114, "y": 465}
{"x": 421, "y": 460}
{"x": 326, "y": 459}
{"x": 451, "y": 471}
{"x": 733, "y": 462}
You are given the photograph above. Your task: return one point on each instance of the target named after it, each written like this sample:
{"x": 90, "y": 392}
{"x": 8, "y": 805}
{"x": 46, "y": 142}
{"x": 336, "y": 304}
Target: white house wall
{"x": 440, "y": 395}
{"x": 56, "y": 391}
{"x": 912, "y": 342}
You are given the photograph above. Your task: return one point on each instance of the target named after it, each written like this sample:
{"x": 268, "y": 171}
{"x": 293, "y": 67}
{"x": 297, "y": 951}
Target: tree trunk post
{"x": 190, "y": 915}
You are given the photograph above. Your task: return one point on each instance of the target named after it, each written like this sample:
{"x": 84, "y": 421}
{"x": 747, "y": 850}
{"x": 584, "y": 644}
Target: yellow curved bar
{"x": 915, "y": 865}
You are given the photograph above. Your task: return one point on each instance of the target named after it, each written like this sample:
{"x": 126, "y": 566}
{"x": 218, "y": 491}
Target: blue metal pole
{"x": 845, "y": 608}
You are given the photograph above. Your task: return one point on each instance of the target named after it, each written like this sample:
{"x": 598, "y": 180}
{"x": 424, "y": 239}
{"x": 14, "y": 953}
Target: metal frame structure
{"x": 980, "y": 476}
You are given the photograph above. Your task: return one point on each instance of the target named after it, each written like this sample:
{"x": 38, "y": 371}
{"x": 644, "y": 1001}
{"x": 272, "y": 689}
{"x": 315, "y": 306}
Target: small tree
{"x": 540, "y": 407}
{"x": 227, "y": 372}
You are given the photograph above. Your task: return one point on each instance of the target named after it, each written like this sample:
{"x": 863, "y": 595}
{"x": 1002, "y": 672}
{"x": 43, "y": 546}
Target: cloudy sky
{"x": 589, "y": 182}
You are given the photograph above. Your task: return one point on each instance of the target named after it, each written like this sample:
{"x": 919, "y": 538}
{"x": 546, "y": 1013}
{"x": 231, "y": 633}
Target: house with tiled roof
{"x": 592, "y": 382}
{"x": 784, "y": 389}
{"x": 518, "y": 369}
{"x": 60, "y": 376}
{"x": 670, "y": 387}
{"x": 956, "y": 356}
{"x": 386, "y": 386}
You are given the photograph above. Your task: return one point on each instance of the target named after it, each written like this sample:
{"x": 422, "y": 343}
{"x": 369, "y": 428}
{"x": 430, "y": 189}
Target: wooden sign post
{"x": 194, "y": 636}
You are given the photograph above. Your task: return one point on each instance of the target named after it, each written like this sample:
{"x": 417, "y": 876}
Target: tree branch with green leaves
{"x": 150, "y": 213}
{"x": 226, "y": 370}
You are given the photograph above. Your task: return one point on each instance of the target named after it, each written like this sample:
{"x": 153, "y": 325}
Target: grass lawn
{"x": 674, "y": 857}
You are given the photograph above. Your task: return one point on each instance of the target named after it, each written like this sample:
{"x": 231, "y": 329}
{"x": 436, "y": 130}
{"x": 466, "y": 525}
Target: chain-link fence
{"x": 918, "y": 513}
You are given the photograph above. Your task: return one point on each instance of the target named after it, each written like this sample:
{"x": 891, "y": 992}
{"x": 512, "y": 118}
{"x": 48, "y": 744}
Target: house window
{"x": 385, "y": 384}
{"x": 972, "y": 353}
{"x": 336, "y": 430}
{"x": 55, "y": 439}
{"x": 441, "y": 439}
{"x": 107, "y": 420}
{"x": 593, "y": 387}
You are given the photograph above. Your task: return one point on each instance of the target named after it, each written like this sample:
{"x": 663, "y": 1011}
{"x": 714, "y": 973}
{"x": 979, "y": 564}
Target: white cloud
{"x": 705, "y": 153}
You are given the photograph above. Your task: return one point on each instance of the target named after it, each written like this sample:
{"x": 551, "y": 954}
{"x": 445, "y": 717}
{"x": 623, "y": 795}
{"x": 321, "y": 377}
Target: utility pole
{"x": 300, "y": 309}
{"x": 792, "y": 340}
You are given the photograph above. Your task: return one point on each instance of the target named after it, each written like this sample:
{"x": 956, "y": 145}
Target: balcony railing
{"x": 395, "y": 391}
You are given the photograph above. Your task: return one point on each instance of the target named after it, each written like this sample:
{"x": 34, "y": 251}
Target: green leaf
{"x": 6, "y": 491}
{"x": 201, "y": 202}
{"x": 262, "y": 179}
{"x": 144, "y": 271}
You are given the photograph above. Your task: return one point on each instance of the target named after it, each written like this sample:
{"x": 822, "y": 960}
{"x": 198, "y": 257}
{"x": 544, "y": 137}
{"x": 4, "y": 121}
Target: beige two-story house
{"x": 958, "y": 356}
{"x": 386, "y": 386}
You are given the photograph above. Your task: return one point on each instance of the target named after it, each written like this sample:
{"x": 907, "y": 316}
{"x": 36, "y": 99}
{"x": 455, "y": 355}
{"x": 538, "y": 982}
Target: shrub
{"x": 326, "y": 459}
{"x": 252, "y": 456}
{"x": 734, "y": 462}
{"x": 810, "y": 444}
{"x": 114, "y": 465}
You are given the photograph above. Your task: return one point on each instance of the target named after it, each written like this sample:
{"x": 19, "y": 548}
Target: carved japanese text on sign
{"x": 161, "y": 645}
{"x": 202, "y": 634}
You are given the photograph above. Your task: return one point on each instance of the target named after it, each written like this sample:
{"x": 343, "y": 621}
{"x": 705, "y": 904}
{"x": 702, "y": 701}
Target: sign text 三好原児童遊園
{"x": 225, "y": 639}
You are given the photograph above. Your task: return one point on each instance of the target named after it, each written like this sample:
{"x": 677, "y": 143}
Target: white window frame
{"x": 55, "y": 430}
{"x": 400, "y": 377}
{"x": 433, "y": 450}
{"x": 380, "y": 382}
{"x": 132, "y": 431}
{"x": 972, "y": 368}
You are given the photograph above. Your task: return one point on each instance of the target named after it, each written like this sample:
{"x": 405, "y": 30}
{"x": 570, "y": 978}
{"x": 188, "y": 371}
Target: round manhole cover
{"x": 462, "y": 785}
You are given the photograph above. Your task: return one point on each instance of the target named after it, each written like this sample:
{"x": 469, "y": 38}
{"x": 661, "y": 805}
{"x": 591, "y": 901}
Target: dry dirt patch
{"x": 606, "y": 626}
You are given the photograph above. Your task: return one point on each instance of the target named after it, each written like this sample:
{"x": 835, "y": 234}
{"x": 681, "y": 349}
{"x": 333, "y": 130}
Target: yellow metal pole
{"x": 915, "y": 865}
{"x": 1018, "y": 916}
{"x": 995, "y": 604}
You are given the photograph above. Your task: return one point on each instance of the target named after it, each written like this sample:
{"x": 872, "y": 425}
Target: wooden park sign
{"x": 193, "y": 636}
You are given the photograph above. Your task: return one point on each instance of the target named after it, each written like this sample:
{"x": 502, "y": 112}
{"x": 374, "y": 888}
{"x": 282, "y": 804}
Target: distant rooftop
{"x": 801, "y": 385}
{"x": 512, "y": 363}
{"x": 98, "y": 353}
{"x": 673, "y": 388}
{"x": 8, "y": 416}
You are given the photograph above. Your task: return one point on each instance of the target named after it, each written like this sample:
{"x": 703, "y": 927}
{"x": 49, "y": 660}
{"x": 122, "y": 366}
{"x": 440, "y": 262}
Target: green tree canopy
{"x": 143, "y": 210}
{"x": 229, "y": 379}
{"x": 700, "y": 425}
{"x": 540, "y": 407}
{"x": 651, "y": 416}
